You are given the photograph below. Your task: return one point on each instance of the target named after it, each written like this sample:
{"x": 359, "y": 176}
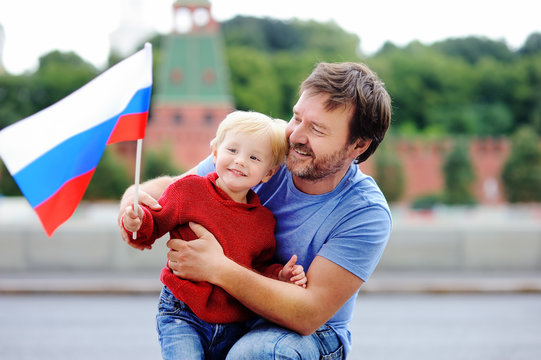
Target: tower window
{"x": 176, "y": 76}
{"x": 209, "y": 119}
{"x": 209, "y": 76}
{"x": 177, "y": 119}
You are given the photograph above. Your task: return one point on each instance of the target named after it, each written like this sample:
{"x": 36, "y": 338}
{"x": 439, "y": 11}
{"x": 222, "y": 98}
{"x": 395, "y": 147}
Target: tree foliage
{"x": 532, "y": 45}
{"x": 472, "y": 49}
{"x": 158, "y": 162}
{"x": 389, "y": 171}
{"x": 521, "y": 175}
{"x": 110, "y": 179}
{"x": 8, "y": 186}
{"x": 459, "y": 176}
{"x": 470, "y": 86}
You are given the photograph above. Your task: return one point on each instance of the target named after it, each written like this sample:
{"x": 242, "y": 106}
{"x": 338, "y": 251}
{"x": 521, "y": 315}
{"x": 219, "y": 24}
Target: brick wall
{"x": 423, "y": 160}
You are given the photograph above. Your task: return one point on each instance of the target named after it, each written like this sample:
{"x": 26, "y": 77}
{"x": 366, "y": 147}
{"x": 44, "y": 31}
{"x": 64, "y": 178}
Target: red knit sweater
{"x": 245, "y": 231}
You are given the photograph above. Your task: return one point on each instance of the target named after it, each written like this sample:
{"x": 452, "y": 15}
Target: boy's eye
{"x": 232, "y": 150}
{"x": 254, "y": 158}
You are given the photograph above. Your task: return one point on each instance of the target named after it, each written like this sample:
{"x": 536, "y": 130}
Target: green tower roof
{"x": 193, "y": 69}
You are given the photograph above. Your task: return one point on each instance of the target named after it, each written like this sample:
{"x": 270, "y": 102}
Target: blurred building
{"x": 192, "y": 95}
{"x": 193, "y": 92}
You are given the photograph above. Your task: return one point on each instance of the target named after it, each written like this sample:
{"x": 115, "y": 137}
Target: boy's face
{"x": 243, "y": 161}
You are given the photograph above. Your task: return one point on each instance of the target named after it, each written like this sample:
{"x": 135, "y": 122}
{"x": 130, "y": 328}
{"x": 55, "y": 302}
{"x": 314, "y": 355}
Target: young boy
{"x": 197, "y": 319}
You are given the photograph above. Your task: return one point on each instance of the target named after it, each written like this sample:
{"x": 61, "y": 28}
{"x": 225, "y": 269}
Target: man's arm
{"x": 302, "y": 310}
{"x": 329, "y": 286}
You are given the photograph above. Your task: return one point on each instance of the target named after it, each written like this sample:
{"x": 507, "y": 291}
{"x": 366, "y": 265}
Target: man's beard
{"x": 318, "y": 168}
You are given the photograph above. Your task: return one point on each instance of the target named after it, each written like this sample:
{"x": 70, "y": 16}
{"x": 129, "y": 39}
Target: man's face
{"x": 318, "y": 139}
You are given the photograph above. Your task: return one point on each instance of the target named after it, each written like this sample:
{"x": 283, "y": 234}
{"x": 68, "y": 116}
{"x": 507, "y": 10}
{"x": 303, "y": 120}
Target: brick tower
{"x": 192, "y": 94}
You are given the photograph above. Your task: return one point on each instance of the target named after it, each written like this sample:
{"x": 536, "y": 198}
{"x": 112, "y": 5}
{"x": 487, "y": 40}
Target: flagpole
{"x": 137, "y": 173}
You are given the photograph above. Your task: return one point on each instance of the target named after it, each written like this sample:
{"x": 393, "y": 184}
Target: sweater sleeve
{"x": 157, "y": 223}
{"x": 264, "y": 262}
{"x": 143, "y": 234}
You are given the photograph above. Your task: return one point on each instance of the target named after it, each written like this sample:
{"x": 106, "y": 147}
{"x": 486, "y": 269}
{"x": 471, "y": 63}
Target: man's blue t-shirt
{"x": 349, "y": 226}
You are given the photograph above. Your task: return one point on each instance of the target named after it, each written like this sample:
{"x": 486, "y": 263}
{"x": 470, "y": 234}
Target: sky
{"x": 32, "y": 28}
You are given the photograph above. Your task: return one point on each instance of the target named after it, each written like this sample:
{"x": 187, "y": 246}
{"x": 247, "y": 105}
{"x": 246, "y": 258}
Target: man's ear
{"x": 270, "y": 173}
{"x": 361, "y": 145}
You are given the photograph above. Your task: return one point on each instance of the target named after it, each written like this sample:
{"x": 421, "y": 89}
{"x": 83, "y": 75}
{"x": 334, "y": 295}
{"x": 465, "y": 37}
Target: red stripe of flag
{"x": 58, "y": 208}
{"x": 129, "y": 127}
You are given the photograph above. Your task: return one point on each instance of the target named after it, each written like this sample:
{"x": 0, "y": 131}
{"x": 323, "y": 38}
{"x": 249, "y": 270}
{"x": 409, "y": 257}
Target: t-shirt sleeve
{"x": 206, "y": 166}
{"x": 357, "y": 242}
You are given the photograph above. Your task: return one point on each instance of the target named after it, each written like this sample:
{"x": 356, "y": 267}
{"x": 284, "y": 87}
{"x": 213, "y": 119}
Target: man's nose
{"x": 297, "y": 133}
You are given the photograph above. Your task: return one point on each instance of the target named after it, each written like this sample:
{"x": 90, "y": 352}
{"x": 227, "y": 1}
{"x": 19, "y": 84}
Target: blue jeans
{"x": 183, "y": 336}
{"x": 268, "y": 341}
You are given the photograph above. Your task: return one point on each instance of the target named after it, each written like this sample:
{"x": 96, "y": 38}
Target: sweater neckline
{"x": 220, "y": 195}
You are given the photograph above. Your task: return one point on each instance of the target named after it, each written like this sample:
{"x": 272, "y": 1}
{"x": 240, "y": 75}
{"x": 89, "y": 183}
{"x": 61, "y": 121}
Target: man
{"x": 333, "y": 217}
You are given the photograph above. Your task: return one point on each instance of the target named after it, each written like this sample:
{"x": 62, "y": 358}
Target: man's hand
{"x": 196, "y": 260}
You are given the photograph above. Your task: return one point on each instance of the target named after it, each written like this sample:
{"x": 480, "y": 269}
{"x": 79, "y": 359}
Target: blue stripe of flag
{"x": 75, "y": 156}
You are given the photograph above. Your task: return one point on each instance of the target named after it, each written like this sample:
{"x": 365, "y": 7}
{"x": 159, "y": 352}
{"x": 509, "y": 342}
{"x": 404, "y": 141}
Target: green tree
{"x": 459, "y": 175}
{"x": 58, "y": 75}
{"x": 269, "y": 58}
{"x": 495, "y": 119}
{"x": 245, "y": 31}
{"x": 254, "y": 81}
{"x": 8, "y": 186}
{"x": 521, "y": 174}
{"x": 16, "y": 98}
{"x": 472, "y": 119}
{"x": 328, "y": 41}
{"x": 110, "y": 179}
{"x": 158, "y": 163}
{"x": 389, "y": 171}
{"x": 421, "y": 82}
{"x": 472, "y": 49}
{"x": 532, "y": 45}
{"x": 296, "y": 36}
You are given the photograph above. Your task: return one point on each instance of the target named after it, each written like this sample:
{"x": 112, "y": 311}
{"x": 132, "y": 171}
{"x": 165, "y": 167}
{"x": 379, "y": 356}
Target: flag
{"x": 53, "y": 154}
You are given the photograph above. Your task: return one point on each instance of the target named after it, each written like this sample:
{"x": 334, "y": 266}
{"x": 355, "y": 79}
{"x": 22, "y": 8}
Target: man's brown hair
{"x": 354, "y": 85}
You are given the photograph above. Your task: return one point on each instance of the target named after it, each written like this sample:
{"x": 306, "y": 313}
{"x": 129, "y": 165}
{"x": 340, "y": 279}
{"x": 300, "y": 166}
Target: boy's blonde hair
{"x": 251, "y": 122}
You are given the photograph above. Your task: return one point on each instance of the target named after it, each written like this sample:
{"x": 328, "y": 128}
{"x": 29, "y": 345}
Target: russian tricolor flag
{"x": 52, "y": 154}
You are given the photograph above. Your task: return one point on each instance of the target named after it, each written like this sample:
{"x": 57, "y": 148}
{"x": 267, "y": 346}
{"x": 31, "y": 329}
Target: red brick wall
{"x": 187, "y": 130}
{"x": 422, "y": 161}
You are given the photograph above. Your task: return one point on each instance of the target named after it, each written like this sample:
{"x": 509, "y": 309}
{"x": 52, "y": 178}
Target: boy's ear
{"x": 214, "y": 155}
{"x": 270, "y": 173}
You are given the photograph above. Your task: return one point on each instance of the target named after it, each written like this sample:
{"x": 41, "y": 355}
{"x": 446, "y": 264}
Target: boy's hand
{"x": 293, "y": 273}
{"x": 126, "y": 203}
{"x": 132, "y": 220}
